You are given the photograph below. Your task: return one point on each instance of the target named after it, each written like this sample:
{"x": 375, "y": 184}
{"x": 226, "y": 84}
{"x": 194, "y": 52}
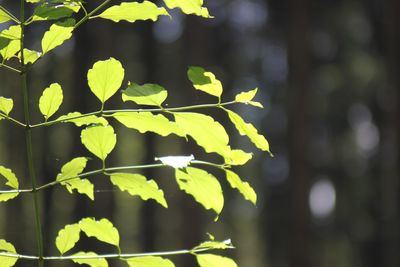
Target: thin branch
{"x": 12, "y": 120}
{"x": 51, "y": 122}
{"x": 87, "y": 16}
{"x": 10, "y": 14}
{"x": 108, "y": 256}
{"x": 7, "y": 67}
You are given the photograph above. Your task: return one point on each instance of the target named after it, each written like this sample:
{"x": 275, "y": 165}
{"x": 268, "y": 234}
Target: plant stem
{"x": 87, "y": 16}
{"x": 7, "y": 67}
{"x": 10, "y": 14}
{"x": 17, "y": 122}
{"x": 28, "y": 140}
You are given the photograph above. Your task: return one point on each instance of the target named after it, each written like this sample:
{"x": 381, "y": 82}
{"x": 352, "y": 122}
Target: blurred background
{"x": 328, "y": 76}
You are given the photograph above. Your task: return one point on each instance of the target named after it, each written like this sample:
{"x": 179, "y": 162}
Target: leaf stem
{"x": 107, "y": 256}
{"x": 10, "y": 14}
{"x": 12, "y": 120}
{"x": 7, "y": 67}
{"x": 28, "y": 140}
{"x": 87, "y": 16}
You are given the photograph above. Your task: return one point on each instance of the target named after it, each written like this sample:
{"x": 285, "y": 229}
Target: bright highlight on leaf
{"x": 243, "y": 187}
{"x": 67, "y": 238}
{"x": 99, "y": 139}
{"x": 8, "y": 248}
{"x": 147, "y": 94}
{"x": 102, "y": 230}
{"x": 205, "y": 81}
{"x": 138, "y": 185}
{"x": 148, "y": 122}
{"x": 79, "y": 120}
{"x": 247, "y": 97}
{"x": 12, "y": 182}
{"x": 189, "y": 7}
{"x": 249, "y": 130}
{"x": 57, "y": 35}
{"x": 4, "y": 17}
{"x": 203, "y": 186}
{"x": 215, "y": 244}
{"x": 134, "y": 11}
{"x": 70, "y": 177}
{"x": 47, "y": 12}
{"x": 6, "y": 105}
{"x": 96, "y": 262}
{"x": 211, "y": 260}
{"x": 105, "y": 78}
{"x": 207, "y": 133}
{"x": 50, "y": 100}
{"x": 149, "y": 261}
{"x": 176, "y": 162}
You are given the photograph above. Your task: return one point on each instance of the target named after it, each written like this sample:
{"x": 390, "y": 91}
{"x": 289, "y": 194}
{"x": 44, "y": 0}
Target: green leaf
{"x": 103, "y": 230}
{"x": 215, "y": 245}
{"x": 67, "y": 237}
{"x": 47, "y": 12}
{"x": 238, "y": 157}
{"x": 57, "y": 35}
{"x": 207, "y": 133}
{"x": 105, "y": 78}
{"x": 205, "y": 81}
{"x": 99, "y": 139}
{"x": 149, "y": 261}
{"x": 6, "y": 105}
{"x": 138, "y": 185}
{"x": 176, "y": 162}
{"x": 12, "y": 182}
{"x": 203, "y": 186}
{"x": 75, "y": 117}
{"x": 243, "y": 187}
{"x": 249, "y": 130}
{"x": 247, "y": 97}
{"x": 148, "y": 122}
{"x": 70, "y": 177}
{"x": 189, "y": 7}
{"x": 8, "y": 248}
{"x": 50, "y": 100}
{"x": 97, "y": 262}
{"x": 147, "y": 94}
{"x": 30, "y": 56}
{"x": 10, "y": 41}
{"x": 4, "y": 17}
{"x": 134, "y": 11}
{"x": 211, "y": 260}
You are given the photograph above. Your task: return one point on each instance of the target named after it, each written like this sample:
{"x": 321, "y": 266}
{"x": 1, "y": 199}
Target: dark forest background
{"x": 328, "y": 76}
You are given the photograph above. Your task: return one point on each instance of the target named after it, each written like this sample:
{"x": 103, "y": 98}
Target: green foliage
{"x": 98, "y": 136}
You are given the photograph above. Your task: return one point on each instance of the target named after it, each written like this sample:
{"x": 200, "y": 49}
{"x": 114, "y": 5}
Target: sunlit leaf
{"x": 67, "y": 238}
{"x": 34, "y": 1}
{"x": 134, "y": 11}
{"x": 105, "y": 78}
{"x": 147, "y": 94}
{"x": 205, "y": 81}
{"x": 138, "y": 185}
{"x": 95, "y": 262}
{"x": 247, "y": 97}
{"x": 48, "y": 12}
{"x": 4, "y": 17}
{"x": 6, "y": 105}
{"x": 10, "y": 42}
{"x": 189, "y": 7}
{"x": 215, "y": 245}
{"x": 57, "y": 35}
{"x": 176, "y": 162}
{"x": 207, "y": 133}
{"x": 238, "y": 157}
{"x": 12, "y": 182}
{"x": 30, "y": 56}
{"x": 99, "y": 139}
{"x": 70, "y": 177}
{"x": 102, "y": 230}
{"x": 50, "y": 100}
{"x": 243, "y": 187}
{"x": 78, "y": 120}
{"x": 203, "y": 186}
{"x": 8, "y": 248}
{"x": 211, "y": 260}
{"x": 149, "y": 261}
{"x": 249, "y": 130}
{"x": 148, "y": 122}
